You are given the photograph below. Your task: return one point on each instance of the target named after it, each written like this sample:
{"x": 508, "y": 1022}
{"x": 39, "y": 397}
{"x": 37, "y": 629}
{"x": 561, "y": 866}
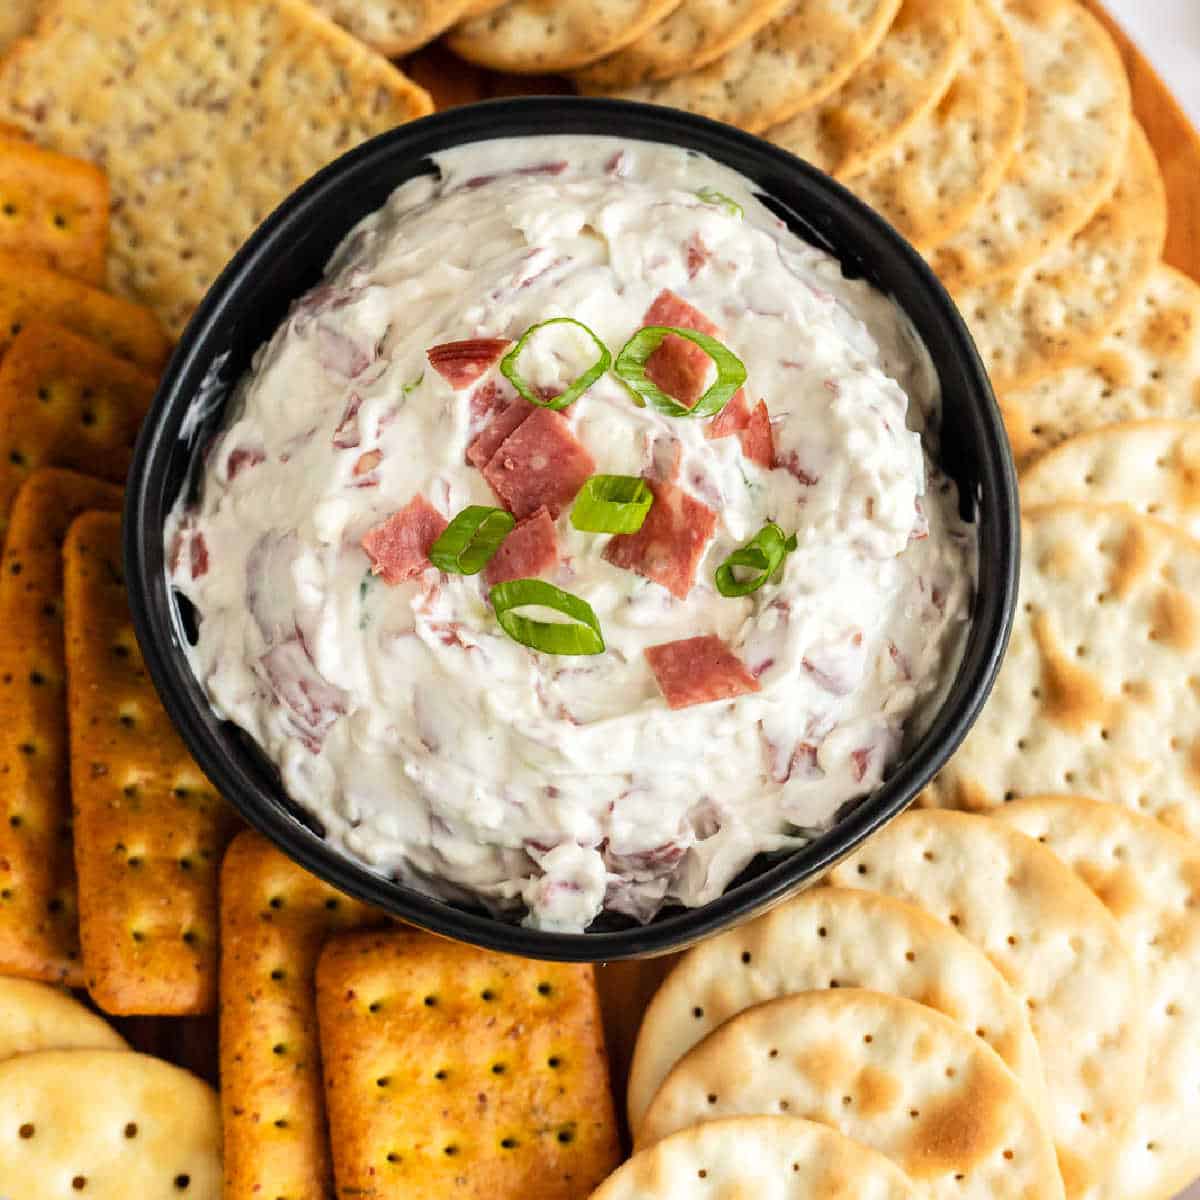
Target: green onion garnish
{"x": 508, "y": 367}
{"x": 763, "y": 553}
{"x": 580, "y": 636}
{"x": 712, "y": 196}
{"x": 612, "y": 504}
{"x": 416, "y": 383}
{"x": 469, "y": 541}
{"x": 631, "y": 370}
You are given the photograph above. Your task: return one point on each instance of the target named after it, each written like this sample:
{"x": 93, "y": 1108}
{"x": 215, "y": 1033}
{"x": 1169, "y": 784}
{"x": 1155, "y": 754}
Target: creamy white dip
{"x": 427, "y": 742}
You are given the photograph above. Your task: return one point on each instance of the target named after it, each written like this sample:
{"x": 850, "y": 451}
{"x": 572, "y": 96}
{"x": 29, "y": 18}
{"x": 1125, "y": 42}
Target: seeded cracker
{"x": 260, "y": 94}
{"x": 35, "y": 1016}
{"x": 149, "y": 829}
{"x": 394, "y": 27}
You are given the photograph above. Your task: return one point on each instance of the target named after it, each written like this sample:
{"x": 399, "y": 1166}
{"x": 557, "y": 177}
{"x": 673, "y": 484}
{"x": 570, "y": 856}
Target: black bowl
{"x": 285, "y": 257}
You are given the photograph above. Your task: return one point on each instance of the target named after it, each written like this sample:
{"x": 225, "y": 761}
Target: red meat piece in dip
{"x": 758, "y": 445}
{"x": 531, "y": 549}
{"x": 698, "y": 670}
{"x": 540, "y": 464}
{"x": 399, "y": 547}
{"x": 678, "y": 366}
{"x": 733, "y": 418}
{"x": 461, "y": 363}
{"x": 493, "y": 434}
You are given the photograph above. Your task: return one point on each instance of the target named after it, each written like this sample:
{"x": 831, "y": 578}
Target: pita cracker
{"x": 394, "y": 27}
{"x": 35, "y": 1016}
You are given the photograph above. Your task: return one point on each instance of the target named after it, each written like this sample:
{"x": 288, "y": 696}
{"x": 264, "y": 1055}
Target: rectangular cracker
{"x": 54, "y": 207}
{"x": 275, "y": 917}
{"x": 451, "y": 1070}
{"x": 149, "y": 828}
{"x": 39, "y": 932}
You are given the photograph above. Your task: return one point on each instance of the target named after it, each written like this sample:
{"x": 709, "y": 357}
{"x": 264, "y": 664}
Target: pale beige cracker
{"x": 901, "y": 82}
{"x": 1072, "y": 146}
{"x": 106, "y": 1125}
{"x": 35, "y": 1016}
{"x": 1149, "y": 878}
{"x": 892, "y": 1074}
{"x": 204, "y": 113}
{"x": 1058, "y": 947}
{"x": 953, "y": 158}
{"x": 531, "y": 37}
{"x": 783, "y": 1158}
{"x": 394, "y": 27}
{"x": 1147, "y": 367}
{"x": 805, "y": 54}
{"x": 825, "y": 938}
{"x": 1055, "y": 310}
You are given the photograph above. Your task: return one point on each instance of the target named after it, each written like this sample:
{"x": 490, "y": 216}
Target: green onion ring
{"x": 711, "y": 196}
{"x": 612, "y": 504}
{"x": 631, "y": 370}
{"x": 764, "y": 553}
{"x": 549, "y": 637}
{"x": 467, "y": 544}
{"x": 508, "y": 367}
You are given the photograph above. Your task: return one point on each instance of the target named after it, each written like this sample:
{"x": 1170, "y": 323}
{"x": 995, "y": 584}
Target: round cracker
{"x": 781, "y": 1157}
{"x": 826, "y": 937}
{"x": 1149, "y": 879}
{"x": 394, "y": 27}
{"x": 1057, "y": 946}
{"x": 531, "y": 37}
{"x": 36, "y": 1016}
{"x": 905, "y": 77}
{"x": 890, "y": 1073}
{"x": 1072, "y": 147}
{"x": 108, "y": 1125}
{"x": 801, "y": 57}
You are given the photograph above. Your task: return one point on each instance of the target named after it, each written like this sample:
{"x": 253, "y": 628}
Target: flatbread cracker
{"x": 16, "y": 20}
{"x": 394, "y": 27}
{"x": 260, "y": 95}
{"x": 451, "y": 1069}
{"x": 275, "y": 917}
{"x": 825, "y": 937}
{"x": 149, "y": 828}
{"x": 1072, "y": 147}
{"x": 801, "y": 57}
{"x": 1149, "y": 878}
{"x": 35, "y": 1017}
{"x": 901, "y": 82}
{"x": 1148, "y": 366}
{"x": 109, "y": 1125}
{"x": 39, "y": 919}
{"x": 1052, "y": 312}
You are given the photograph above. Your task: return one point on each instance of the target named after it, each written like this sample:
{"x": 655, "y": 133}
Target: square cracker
{"x": 39, "y": 933}
{"x": 149, "y": 829}
{"x": 275, "y": 917}
{"x": 451, "y": 1069}
{"x": 204, "y": 113}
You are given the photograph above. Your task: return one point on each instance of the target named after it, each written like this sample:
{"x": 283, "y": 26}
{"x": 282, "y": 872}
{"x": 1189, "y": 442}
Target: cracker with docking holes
{"x": 275, "y": 917}
{"x": 39, "y": 917}
{"x": 449, "y": 1068}
{"x": 149, "y": 828}
{"x": 35, "y": 1016}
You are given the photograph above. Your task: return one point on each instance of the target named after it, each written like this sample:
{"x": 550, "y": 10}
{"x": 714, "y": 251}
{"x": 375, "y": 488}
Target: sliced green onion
{"x": 631, "y": 370}
{"x": 612, "y": 504}
{"x": 469, "y": 541}
{"x": 712, "y": 196}
{"x": 508, "y": 367}
{"x": 416, "y": 383}
{"x": 763, "y": 553}
{"x": 581, "y": 636}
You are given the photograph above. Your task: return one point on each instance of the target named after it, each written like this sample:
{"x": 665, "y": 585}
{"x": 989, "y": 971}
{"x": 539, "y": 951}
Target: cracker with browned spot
{"x": 275, "y": 917}
{"x": 36, "y": 1017}
{"x": 16, "y": 20}
{"x": 149, "y": 828}
{"x": 39, "y": 925}
{"x": 451, "y": 1069}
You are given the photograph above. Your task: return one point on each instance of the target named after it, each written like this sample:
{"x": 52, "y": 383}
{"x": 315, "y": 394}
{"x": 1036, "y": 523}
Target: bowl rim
{"x": 171, "y": 674}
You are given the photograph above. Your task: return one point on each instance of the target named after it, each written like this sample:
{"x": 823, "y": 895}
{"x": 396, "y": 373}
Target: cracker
{"x": 901, "y": 82}
{"x": 1072, "y": 147}
{"x": 394, "y": 27}
{"x": 1056, "y": 309}
{"x": 1057, "y": 946}
{"x": 781, "y": 1157}
{"x": 451, "y": 1069}
{"x": 1149, "y": 878}
{"x": 16, "y": 20}
{"x": 149, "y": 828}
{"x": 39, "y": 924}
{"x": 204, "y": 113}
{"x": 801, "y": 57}
{"x": 275, "y": 917}
{"x": 831, "y": 936}
{"x": 109, "y": 1125}
{"x": 66, "y": 402}
{"x": 34, "y": 1016}
{"x": 889, "y": 1073}
{"x": 953, "y": 158}
{"x": 1148, "y": 366}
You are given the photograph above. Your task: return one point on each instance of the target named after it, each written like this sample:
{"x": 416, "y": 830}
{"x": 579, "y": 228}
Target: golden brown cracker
{"x": 394, "y": 27}
{"x": 149, "y": 828}
{"x": 39, "y": 929}
{"x": 449, "y": 1068}
{"x": 16, "y": 19}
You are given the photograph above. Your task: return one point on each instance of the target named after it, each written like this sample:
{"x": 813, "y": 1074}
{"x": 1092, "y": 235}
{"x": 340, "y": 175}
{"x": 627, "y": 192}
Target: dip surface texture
{"x": 430, "y": 744}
